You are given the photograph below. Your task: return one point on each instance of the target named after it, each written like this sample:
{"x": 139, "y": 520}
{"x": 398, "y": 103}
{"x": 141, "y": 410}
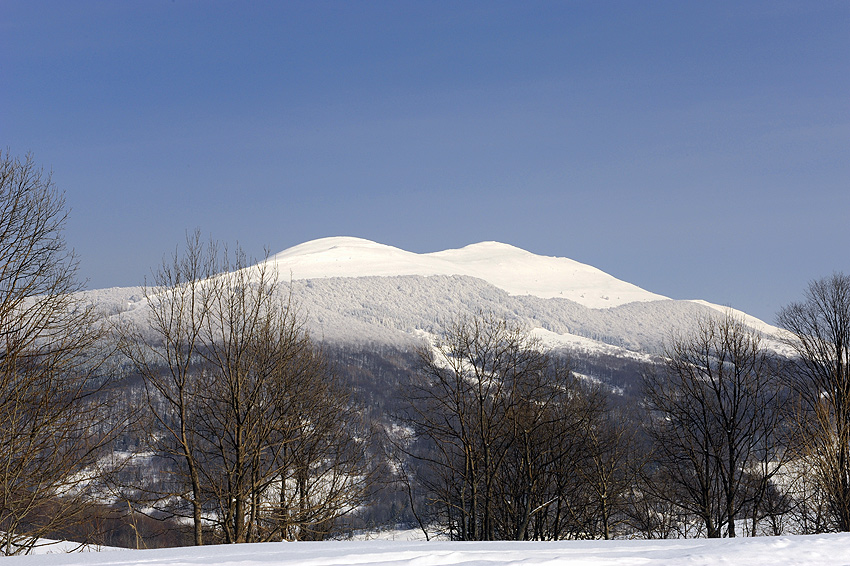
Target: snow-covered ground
{"x": 47, "y": 546}
{"x": 813, "y": 550}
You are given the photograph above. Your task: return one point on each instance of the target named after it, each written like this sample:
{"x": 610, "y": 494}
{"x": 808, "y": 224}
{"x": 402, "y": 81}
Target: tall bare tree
{"x": 324, "y": 472}
{"x": 265, "y": 441}
{"x": 52, "y": 420}
{"x": 164, "y": 350}
{"x": 820, "y": 329}
{"x": 497, "y": 423}
{"x": 609, "y": 466}
{"x": 717, "y": 406}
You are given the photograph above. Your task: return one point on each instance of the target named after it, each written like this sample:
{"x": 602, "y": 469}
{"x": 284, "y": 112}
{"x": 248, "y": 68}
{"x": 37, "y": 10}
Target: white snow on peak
{"x": 509, "y": 268}
{"x": 346, "y": 257}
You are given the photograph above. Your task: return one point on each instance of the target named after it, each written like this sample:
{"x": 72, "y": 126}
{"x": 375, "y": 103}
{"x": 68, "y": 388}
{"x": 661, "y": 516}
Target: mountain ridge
{"x": 507, "y": 267}
{"x": 355, "y": 291}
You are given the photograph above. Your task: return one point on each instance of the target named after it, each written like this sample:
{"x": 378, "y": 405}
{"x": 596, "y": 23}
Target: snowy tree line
{"x": 220, "y": 419}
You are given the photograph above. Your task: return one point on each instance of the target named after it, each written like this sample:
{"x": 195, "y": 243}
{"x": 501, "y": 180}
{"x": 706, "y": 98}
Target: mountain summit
{"x": 358, "y": 292}
{"x": 506, "y": 267}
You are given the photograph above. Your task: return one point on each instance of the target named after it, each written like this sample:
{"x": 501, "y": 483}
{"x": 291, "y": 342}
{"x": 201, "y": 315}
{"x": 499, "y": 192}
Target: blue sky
{"x": 696, "y": 149}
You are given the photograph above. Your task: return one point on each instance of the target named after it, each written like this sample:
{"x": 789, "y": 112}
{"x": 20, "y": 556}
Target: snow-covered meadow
{"x": 812, "y": 550}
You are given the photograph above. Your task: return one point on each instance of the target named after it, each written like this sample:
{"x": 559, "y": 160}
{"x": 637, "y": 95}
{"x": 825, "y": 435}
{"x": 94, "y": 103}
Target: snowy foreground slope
{"x": 813, "y": 550}
{"x": 356, "y": 291}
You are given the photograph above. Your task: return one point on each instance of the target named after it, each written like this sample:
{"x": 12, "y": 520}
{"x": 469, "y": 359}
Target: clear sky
{"x": 696, "y": 149}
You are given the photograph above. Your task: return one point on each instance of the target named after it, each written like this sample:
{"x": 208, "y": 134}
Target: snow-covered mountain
{"x": 355, "y": 291}
{"x": 506, "y": 267}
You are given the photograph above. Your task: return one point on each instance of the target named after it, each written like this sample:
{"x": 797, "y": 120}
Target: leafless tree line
{"x": 730, "y": 438}
{"x": 742, "y": 437}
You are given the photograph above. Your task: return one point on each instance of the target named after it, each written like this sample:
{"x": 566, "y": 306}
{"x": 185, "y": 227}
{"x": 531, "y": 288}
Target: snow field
{"x": 812, "y": 550}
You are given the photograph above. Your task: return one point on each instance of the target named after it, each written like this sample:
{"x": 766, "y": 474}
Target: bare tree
{"x": 274, "y": 415}
{"x": 323, "y": 470}
{"x": 238, "y": 303}
{"x": 820, "y": 329}
{"x": 553, "y": 480}
{"x": 458, "y": 405}
{"x": 264, "y": 439}
{"x": 498, "y": 424}
{"x": 52, "y": 422}
{"x": 164, "y": 350}
{"x": 716, "y": 409}
{"x": 609, "y": 469}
